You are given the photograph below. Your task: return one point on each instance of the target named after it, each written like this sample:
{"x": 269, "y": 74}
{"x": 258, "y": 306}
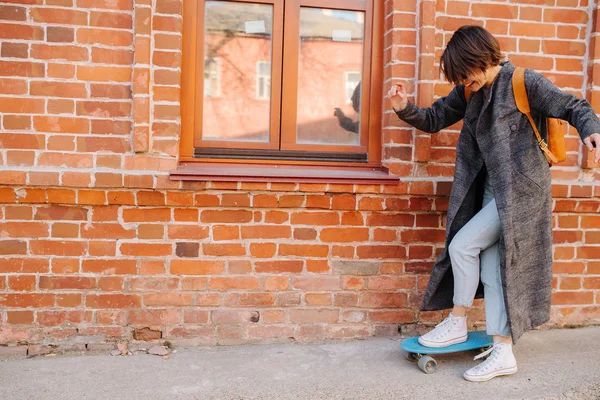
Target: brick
{"x": 111, "y": 284}
{"x": 63, "y": 3}
{"x": 102, "y": 36}
{"x": 20, "y": 158}
{"x": 58, "y": 16}
{"x": 153, "y": 317}
{"x": 250, "y": 300}
{"x": 94, "y": 144}
{"x": 24, "y": 229}
{"x": 169, "y": 7}
{"x": 570, "y": 48}
{"x": 109, "y": 266}
{"x": 68, "y": 300}
{"x": 13, "y": 177}
{"x": 104, "y": 109}
{"x": 153, "y": 284}
{"x": 565, "y": 16}
{"x": 58, "y": 89}
{"x": 165, "y": 77}
{"x": 66, "y": 282}
{"x": 22, "y": 283}
{"x": 168, "y": 24}
{"x": 166, "y": 112}
{"x": 263, "y": 250}
{"x": 13, "y": 13}
{"x": 187, "y": 249}
{"x": 24, "y": 32}
{"x": 64, "y": 71}
{"x": 232, "y": 249}
{"x": 16, "y": 50}
{"x": 528, "y": 29}
{"x": 197, "y": 267}
{"x": 495, "y": 11}
{"x": 109, "y": 127}
{"x": 145, "y": 249}
{"x": 113, "y": 301}
{"x": 22, "y": 106}
{"x": 18, "y": 212}
{"x": 34, "y": 300}
{"x": 168, "y": 299}
{"x": 315, "y": 218}
{"x": 282, "y": 266}
{"x": 17, "y": 68}
{"x": 66, "y": 159}
{"x": 60, "y": 34}
{"x": 58, "y": 213}
{"x": 580, "y": 297}
{"x": 125, "y": 5}
{"x": 108, "y": 230}
{"x": 60, "y": 106}
{"x": 56, "y": 52}
{"x": 226, "y": 232}
{"x": 112, "y": 56}
{"x": 58, "y": 248}
{"x": 60, "y": 230}
{"x": 111, "y": 91}
{"x": 344, "y": 235}
{"x": 19, "y": 317}
{"x": 13, "y": 247}
{"x": 12, "y": 86}
{"x": 21, "y": 265}
{"x": 167, "y": 41}
{"x": 266, "y": 232}
{"x": 110, "y": 19}
{"x": 143, "y": 17}
{"x": 166, "y": 59}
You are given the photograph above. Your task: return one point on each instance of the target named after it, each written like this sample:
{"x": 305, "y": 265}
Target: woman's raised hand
{"x": 398, "y": 96}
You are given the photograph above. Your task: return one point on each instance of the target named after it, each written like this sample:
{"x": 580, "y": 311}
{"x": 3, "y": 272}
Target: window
{"x": 263, "y": 80}
{"x": 212, "y": 83}
{"x": 278, "y": 90}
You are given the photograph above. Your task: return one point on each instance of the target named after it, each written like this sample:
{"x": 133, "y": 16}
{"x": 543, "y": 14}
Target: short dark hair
{"x": 470, "y": 49}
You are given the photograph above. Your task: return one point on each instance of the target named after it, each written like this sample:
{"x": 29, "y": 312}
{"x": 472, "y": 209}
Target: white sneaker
{"x": 450, "y": 331}
{"x": 500, "y": 362}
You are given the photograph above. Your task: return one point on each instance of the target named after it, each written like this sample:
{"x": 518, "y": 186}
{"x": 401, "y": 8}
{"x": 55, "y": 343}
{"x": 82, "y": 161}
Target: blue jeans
{"x": 474, "y": 251}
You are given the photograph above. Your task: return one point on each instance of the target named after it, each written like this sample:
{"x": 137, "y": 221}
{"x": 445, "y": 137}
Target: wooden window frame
{"x": 190, "y": 167}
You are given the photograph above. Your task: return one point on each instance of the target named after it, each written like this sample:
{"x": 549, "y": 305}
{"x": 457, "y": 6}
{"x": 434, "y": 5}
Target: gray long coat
{"x": 497, "y": 137}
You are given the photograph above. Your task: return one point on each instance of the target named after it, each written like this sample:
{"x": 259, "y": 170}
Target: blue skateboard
{"x": 417, "y": 352}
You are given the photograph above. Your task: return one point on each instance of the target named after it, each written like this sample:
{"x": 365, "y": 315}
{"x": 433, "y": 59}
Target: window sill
{"x": 287, "y": 173}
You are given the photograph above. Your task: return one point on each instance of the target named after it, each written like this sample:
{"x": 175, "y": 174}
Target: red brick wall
{"x": 95, "y": 240}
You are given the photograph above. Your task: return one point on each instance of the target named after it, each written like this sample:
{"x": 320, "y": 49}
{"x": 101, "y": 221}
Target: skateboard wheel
{"x": 427, "y": 364}
{"x": 412, "y": 357}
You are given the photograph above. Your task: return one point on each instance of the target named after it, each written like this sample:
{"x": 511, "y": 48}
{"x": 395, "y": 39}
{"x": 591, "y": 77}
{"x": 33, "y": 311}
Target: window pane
{"x": 330, "y": 61}
{"x": 237, "y": 42}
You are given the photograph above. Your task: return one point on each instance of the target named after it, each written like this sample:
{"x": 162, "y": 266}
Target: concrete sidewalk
{"x": 554, "y": 364}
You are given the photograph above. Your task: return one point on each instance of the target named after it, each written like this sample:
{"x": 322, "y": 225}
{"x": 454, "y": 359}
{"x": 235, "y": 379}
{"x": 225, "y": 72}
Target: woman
{"x": 499, "y": 222}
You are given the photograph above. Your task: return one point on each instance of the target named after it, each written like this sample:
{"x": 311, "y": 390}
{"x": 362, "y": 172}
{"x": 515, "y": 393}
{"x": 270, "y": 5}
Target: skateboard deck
{"x": 417, "y": 352}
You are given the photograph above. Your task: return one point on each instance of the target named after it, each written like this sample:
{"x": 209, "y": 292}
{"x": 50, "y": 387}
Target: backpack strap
{"x": 518, "y": 84}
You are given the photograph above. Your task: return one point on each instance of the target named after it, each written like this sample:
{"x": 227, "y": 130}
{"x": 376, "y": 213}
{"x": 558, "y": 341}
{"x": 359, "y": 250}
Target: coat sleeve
{"x": 442, "y": 113}
{"x": 547, "y": 99}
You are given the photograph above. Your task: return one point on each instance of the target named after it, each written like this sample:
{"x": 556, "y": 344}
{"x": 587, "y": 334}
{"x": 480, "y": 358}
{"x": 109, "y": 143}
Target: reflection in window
{"x": 352, "y": 81}
{"x": 331, "y": 50}
{"x": 239, "y": 36}
{"x": 263, "y": 80}
{"x": 212, "y": 81}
